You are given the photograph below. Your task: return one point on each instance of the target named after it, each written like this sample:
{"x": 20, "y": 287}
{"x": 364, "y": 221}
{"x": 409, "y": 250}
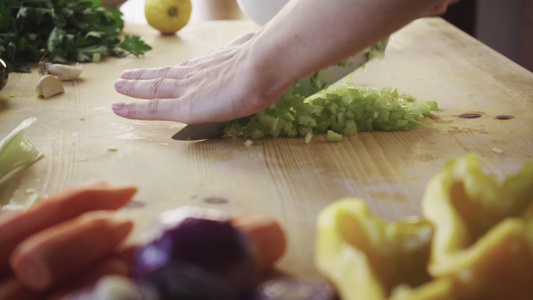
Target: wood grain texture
{"x": 285, "y": 178}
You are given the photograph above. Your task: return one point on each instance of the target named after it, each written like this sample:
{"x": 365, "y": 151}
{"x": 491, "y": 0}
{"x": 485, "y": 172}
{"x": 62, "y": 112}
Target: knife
{"x": 306, "y": 86}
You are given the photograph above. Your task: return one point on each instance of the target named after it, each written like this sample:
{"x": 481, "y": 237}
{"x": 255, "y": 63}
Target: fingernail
{"x": 125, "y": 74}
{"x": 122, "y": 225}
{"x": 117, "y": 106}
{"x": 34, "y": 272}
{"x": 119, "y": 85}
{"x": 121, "y": 222}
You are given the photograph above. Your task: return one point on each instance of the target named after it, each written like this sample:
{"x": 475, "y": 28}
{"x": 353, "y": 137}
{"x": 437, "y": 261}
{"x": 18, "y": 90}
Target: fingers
{"x": 165, "y": 82}
{"x": 201, "y": 90}
{"x": 153, "y": 73}
{"x": 64, "y": 205}
{"x": 61, "y": 251}
{"x": 155, "y": 109}
{"x": 110, "y": 266}
{"x": 147, "y": 89}
{"x": 184, "y": 69}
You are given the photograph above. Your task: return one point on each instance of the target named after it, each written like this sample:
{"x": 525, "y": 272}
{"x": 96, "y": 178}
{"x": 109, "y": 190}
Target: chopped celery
{"x": 334, "y": 137}
{"x": 317, "y": 80}
{"x": 16, "y": 151}
{"x": 433, "y": 105}
{"x": 304, "y": 120}
{"x": 345, "y": 110}
{"x": 350, "y": 128}
{"x": 287, "y": 116}
{"x": 256, "y": 134}
{"x": 309, "y": 137}
{"x": 33, "y": 199}
{"x": 302, "y": 131}
{"x": 408, "y": 98}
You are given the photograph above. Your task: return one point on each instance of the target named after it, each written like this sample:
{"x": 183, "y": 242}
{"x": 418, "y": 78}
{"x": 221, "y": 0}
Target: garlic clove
{"x": 63, "y": 72}
{"x": 48, "y": 86}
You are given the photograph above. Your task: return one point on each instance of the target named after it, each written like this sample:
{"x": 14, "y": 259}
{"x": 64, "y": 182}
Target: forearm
{"x": 309, "y": 34}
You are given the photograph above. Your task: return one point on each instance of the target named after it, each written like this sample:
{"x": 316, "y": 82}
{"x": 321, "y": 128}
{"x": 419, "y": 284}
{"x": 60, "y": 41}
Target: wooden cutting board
{"x": 285, "y": 178}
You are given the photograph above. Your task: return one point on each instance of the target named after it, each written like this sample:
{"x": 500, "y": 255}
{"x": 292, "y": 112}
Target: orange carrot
{"x": 5, "y": 273}
{"x": 59, "y": 207}
{"x": 12, "y": 289}
{"x": 267, "y": 237}
{"x": 127, "y": 253}
{"x": 58, "y": 252}
{"x": 110, "y": 266}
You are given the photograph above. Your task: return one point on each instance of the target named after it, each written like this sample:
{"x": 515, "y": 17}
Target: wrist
{"x": 265, "y": 75}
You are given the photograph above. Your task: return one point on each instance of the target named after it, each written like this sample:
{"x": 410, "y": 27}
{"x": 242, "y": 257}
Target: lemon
{"x": 167, "y": 16}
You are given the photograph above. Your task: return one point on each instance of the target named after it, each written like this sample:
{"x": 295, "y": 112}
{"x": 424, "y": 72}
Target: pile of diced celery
{"x": 338, "y": 112}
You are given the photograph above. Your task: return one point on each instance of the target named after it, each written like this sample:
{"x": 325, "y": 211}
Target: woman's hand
{"x": 219, "y": 86}
{"x": 255, "y": 70}
{"x": 65, "y": 242}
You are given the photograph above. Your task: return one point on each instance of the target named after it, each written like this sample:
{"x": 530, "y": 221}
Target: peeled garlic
{"x": 63, "y": 72}
{"x": 49, "y": 85}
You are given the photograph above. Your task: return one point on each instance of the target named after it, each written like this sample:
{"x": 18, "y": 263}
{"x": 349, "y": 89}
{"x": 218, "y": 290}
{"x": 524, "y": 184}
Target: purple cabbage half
{"x": 193, "y": 255}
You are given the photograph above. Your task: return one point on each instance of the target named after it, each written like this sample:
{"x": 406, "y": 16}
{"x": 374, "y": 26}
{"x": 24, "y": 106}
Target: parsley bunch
{"x": 63, "y": 30}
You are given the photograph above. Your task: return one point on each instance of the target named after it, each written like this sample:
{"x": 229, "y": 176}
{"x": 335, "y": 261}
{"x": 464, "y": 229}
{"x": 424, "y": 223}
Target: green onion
{"x": 16, "y": 151}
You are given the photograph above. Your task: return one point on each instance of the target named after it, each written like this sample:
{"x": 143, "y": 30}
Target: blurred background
{"x": 504, "y": 25}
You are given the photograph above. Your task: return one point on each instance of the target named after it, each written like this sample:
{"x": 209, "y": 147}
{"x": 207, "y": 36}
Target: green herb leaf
{"x": 63, "y": 30}
{"x": 134, "y": 45}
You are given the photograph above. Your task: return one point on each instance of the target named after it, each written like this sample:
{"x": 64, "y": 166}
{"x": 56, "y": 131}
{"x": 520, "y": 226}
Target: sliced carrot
{"x": 111, "y": 266}
{"x": 267, "y": 237}
{"x": 58, "y": 252}
{"x": 59, "y": 207}
{"x": 12, "y": 289}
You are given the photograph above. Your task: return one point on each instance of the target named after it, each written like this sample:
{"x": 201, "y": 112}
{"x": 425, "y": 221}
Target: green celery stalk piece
{"x": 309, "y": 137}
{"x": 16, "y": 151}
{"x": 346, "y": 110}
{"x": 334, "y": 137}
{"x": 433, "y": 105}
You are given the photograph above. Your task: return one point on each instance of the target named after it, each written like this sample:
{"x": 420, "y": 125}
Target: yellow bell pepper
{"x": 476, "y": 241}
{"x": 366, "y": 257}
{"x": 498, "y": 266}
{"x": 463, "y": 203}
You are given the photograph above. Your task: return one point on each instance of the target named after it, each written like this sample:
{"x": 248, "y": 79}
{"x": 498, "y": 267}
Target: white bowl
{"x": 261, "y": 11}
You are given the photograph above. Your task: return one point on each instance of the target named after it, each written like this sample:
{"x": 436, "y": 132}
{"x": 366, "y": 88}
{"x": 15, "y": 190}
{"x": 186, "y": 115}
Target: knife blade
{"x": 306, "y": 86}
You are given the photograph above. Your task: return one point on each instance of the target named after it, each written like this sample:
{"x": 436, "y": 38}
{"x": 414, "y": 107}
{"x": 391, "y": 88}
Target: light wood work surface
{"x": 283, "y": 177}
